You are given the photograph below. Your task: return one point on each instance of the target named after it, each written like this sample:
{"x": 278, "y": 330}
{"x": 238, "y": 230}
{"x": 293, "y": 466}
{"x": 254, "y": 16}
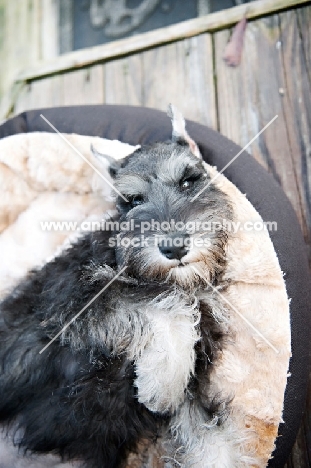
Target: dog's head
{"x": 166, "y": 234}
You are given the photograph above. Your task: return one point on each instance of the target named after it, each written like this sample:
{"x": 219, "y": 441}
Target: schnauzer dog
{"x": 135, "y": 363}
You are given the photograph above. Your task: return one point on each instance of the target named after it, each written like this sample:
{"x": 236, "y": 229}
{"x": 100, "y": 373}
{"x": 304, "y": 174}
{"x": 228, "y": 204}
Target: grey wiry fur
{"x": 136, "y": 362}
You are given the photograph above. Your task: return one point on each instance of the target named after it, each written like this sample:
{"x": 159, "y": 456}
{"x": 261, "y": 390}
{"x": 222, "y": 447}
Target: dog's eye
{"x": 136, "y": 200}
{"x": 186, "y": 184}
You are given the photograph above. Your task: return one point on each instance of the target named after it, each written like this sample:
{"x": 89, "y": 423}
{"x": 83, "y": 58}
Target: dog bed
{"x": 40, "y": 174}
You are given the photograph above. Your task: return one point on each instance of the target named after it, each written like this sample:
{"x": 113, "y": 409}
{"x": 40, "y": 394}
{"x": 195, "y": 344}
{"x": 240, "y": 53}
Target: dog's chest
{"x": 162, "y": 334}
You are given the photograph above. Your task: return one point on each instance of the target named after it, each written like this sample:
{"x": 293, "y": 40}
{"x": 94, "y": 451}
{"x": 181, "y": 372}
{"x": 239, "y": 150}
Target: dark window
{"x": 86, "y": 23}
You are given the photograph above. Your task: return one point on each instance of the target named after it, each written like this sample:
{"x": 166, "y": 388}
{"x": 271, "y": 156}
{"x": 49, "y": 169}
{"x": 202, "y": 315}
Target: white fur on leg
{"x": 166, "y": 364}
{"x": 201, "y": 443}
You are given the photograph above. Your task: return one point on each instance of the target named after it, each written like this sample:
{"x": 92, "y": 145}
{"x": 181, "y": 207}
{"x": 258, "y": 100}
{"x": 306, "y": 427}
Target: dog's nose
{"x": 173, "y": 246}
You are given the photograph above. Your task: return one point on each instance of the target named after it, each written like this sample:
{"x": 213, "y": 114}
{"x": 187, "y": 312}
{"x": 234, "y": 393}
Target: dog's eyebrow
{"x": 191, "y": 171}
{"x": 132, "y": 184}
{"x": 173, "y": 169}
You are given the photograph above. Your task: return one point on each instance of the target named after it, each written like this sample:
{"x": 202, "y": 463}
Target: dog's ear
{"x": 179, "y": 133}
{"x": 112, "y": 164}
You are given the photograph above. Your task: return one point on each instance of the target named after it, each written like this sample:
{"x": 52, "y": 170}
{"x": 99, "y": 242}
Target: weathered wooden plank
{"x": 47, "y": 92}
{"x": 84, "y": 86}
{"x": 251, "y": 95}
{"x": 297, "y": 107}
{"x": 7, "y": 105}
{"x": 28, "y": 33}
{"x": 23, "y": 100}
{"x": 22, "y": 33}
{"x": 42, "y": 93}
{"x": 20, "y": 44}
{"x": 208, "y": 23}
{"x": 123, "y": 81}
{"x": 79, "y": 87}
{"x": 182, "y": 73}
{"x": 49, "y": 29}
{"x": 304, "y": 25}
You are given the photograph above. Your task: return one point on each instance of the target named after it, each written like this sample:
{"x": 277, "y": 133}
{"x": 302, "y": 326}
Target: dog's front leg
{"x": 166, "y": 363}
{"x": 201, "y": 439}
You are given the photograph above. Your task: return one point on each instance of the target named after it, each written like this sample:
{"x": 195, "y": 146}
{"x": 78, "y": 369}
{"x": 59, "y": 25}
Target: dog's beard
{"x": 199, "y": 267}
